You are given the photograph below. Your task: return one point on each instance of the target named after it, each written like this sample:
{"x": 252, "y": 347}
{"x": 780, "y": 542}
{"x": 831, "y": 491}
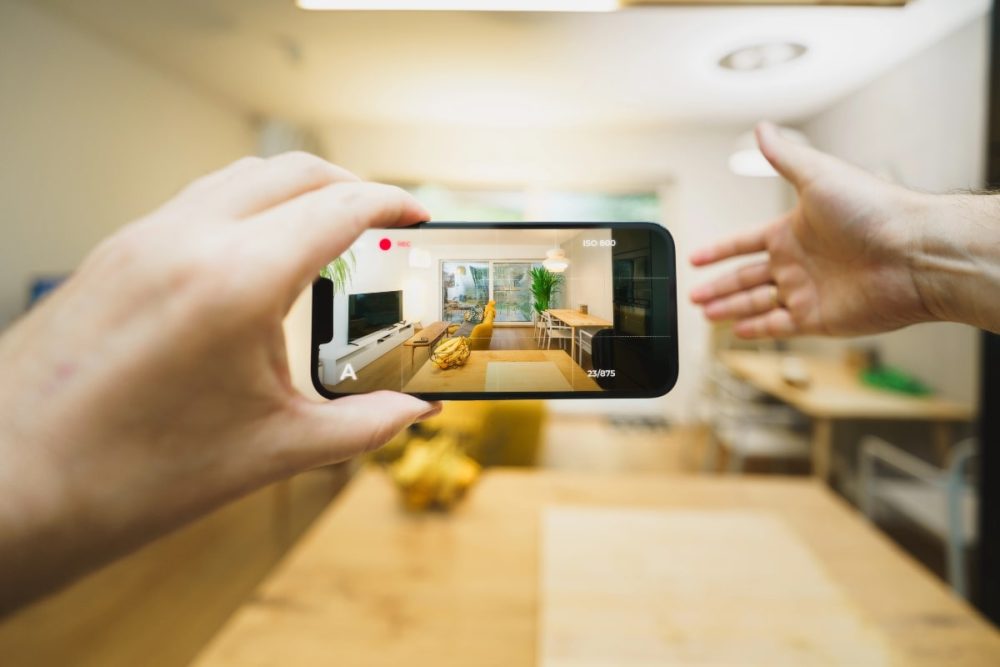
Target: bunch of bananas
{"x": 452, "y": 352}
{"x": 433, "y": 473}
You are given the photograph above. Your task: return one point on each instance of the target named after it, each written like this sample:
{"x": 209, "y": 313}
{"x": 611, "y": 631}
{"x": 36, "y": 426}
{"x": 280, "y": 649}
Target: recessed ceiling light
{"x": 762, "y": 56}
{"x": 466, "y": 5}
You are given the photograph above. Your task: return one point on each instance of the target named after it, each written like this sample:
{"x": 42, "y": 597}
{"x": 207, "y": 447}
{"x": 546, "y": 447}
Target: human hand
{"x": 840, "y": 263}
{"x": 154, "y": 385}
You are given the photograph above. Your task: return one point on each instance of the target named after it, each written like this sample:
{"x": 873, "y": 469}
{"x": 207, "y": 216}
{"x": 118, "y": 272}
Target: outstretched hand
{"x": 838, "y": 264}
{"x": 154, "y": 384}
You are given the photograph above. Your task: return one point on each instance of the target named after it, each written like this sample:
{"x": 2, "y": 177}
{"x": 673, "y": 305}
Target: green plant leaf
{"x": 544, "y": 285}
{"x": 339, "y": 271}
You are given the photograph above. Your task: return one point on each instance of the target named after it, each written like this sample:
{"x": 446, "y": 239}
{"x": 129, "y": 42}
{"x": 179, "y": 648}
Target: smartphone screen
{"x": 499, "y": 310}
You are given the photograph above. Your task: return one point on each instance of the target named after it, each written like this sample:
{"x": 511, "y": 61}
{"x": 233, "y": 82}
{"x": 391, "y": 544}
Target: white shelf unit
{"x": 334, "y": 356}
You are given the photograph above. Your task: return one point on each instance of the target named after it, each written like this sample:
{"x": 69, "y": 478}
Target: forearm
{"x": 955, "y": 261}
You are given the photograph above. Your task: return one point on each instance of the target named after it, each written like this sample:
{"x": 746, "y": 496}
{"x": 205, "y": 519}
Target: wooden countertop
{"x": 575, "y": 318}
{"x": 837, "y": 393}
{"x": 370, "y": 585}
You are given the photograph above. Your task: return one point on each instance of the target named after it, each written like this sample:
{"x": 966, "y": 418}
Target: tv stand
{"x": 359, "y": 353}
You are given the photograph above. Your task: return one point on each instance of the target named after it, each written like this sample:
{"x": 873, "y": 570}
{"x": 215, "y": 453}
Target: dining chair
{"x": 559, "y": 331}
{"x": 584, "y": 343}
{"x": 942, "y": 501}
{"x": 746, "y": 424}
{"x": 539, "y": 323}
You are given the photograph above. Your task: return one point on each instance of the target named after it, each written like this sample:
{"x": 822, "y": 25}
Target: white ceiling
{"x": 650, "y": 66}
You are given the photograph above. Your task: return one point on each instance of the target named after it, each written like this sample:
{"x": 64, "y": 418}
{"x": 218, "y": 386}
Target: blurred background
{"x": 108, "y": 107}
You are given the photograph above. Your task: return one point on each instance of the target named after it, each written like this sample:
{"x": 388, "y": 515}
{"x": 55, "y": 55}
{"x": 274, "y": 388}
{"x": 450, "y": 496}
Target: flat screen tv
{"x": 372, "y": 311}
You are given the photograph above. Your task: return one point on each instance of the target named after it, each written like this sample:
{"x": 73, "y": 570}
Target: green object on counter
{"x": 893, "y": 379}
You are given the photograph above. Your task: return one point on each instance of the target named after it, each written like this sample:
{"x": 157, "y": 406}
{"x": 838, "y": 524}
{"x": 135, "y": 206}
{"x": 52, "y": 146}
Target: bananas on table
{"x": 433, "y": 473}
{"x": 450, "y": 353}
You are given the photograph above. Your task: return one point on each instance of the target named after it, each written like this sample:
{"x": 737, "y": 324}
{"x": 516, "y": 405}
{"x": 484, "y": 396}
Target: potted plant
{"x": 339, "y": 272}
{"x": 544, "y": 285}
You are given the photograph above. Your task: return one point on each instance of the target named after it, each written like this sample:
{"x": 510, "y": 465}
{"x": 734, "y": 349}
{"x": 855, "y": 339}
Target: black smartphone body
{"x": 504, "y": 310}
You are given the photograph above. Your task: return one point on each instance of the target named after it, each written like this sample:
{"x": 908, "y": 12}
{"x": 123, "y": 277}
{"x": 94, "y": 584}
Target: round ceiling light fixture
{"x": 762, "y": 56}
{"x": 555, "y": 260}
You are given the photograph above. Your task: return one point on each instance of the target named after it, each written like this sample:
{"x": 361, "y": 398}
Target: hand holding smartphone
{"x": 504, "y": 310}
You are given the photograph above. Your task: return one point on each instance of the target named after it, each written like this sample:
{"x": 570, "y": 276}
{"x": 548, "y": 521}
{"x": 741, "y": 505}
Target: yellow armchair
{"x": 482, "y": 334}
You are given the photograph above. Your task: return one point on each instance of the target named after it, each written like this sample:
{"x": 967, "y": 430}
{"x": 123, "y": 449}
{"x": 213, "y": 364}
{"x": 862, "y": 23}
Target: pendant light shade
{"x": 555, "y": 260}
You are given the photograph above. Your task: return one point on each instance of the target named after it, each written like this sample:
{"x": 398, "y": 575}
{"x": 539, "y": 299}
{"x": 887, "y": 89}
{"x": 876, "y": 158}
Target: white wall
{"x": 588, "y": 276}
{"x": 90, "y": 138}
{"x": 924, "y": 126}
{"x": 702, "y": 199}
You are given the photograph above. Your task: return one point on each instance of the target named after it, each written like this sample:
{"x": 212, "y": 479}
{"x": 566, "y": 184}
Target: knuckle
{"x": 221, "y": 297}
{"x": 247, "y": 161}
{"x": 189, "y": 267}
{"x": 796, "y": 301}
{"x": 204, "y": 183}
{"x": 306, "y": 165}
{"x": 347, "y": 200}
{"x": 297, "y": 156}
{"x": 116, "y": 252}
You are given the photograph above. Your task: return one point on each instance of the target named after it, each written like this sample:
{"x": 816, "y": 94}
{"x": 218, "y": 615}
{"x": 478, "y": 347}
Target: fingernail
{"x": 435, "y": 409}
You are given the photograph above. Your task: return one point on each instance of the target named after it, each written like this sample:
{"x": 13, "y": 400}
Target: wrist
{"x": 953, "y": 260}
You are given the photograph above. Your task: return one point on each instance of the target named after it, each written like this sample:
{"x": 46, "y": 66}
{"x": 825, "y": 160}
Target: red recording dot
{"x": 385, "y": 244}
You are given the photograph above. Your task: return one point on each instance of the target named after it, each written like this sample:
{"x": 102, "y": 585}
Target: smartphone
{"x": 499, "y": 310}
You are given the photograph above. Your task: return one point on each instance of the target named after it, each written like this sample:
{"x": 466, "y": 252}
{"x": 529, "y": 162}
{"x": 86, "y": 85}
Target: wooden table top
{"x": 431, "y": 333}
{"x": 575, "y": 318}
{"x": 472, "y": 376}
{"x": 835, "y": 392}
{"x": 370, "y": 585}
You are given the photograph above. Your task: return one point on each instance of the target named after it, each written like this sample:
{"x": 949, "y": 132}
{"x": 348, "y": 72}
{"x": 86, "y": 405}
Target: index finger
{"x": 734, "y": 246}
{"x": 314, "y": 228}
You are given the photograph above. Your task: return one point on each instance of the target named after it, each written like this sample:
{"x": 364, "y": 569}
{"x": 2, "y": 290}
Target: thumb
{"x": 796, "y": 162}
{"x": 325, "y": 433}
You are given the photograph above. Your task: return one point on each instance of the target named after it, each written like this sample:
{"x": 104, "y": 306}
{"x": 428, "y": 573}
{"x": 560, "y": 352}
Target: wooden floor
{"x": 394, "y": 369}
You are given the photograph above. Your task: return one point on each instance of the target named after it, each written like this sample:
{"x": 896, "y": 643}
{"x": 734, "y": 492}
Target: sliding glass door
{"x": 467, "y": 284}
{"x": 511, "y": 284}
{"x": 464, "y": 287}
